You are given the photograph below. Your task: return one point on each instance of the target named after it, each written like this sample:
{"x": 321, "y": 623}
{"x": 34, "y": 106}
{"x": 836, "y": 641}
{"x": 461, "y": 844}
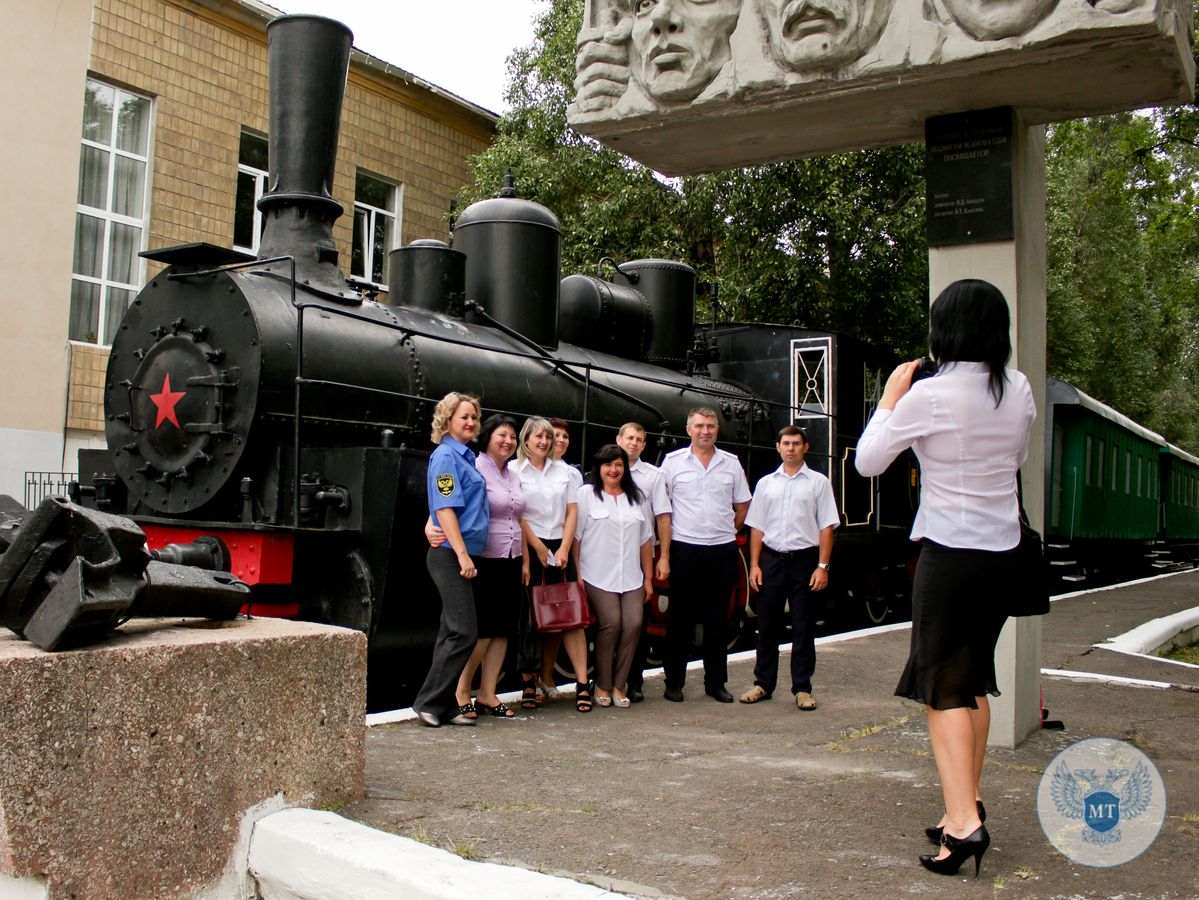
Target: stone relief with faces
{"x": 646, "y": 56}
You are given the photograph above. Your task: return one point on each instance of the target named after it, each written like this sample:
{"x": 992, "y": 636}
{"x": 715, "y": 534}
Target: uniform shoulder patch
{"x": 445, "y": 484}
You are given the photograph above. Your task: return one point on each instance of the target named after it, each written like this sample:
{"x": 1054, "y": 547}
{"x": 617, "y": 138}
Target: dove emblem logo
{"x": 1101, "y": 802}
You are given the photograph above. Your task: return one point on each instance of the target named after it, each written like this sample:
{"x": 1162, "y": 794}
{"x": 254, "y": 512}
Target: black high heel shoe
{"x": 960, "y": 849}
{"x": 934, "y": 831}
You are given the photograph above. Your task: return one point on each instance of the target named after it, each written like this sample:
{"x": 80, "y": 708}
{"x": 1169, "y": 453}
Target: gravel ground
{"x": 708, "y": 800}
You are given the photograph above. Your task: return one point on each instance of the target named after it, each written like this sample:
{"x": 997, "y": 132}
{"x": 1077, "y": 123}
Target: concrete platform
{"x": 706, "y": 800}
{"x": 133, "y": 768}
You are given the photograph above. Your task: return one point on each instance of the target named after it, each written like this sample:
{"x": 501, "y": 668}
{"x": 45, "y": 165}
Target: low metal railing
{"x": 40, "y": 485}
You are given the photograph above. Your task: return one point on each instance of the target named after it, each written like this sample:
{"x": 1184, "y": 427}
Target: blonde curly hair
{"x": 533, "y": 426}
{"x": 445, "y": 409}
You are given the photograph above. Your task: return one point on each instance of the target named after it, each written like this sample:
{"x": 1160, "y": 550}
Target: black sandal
{"x": 468, "y": 710}
{"x": 582, "y": 697}
{"x": 499, "y": 711}
{"x": 528, "y": 697}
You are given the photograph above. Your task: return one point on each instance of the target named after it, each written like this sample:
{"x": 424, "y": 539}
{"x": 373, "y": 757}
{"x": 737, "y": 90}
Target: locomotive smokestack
{"x": 309, "y": 61}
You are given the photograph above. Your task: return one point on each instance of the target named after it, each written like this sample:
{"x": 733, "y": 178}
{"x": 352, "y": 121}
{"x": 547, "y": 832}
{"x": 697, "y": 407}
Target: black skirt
{"x": 498, "y": 595}
{"x": 956, "y": 619}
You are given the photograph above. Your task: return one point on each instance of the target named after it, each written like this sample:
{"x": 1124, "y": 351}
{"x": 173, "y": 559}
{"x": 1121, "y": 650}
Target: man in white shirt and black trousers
{"x": 791, "y": 520}
{"x": 709, "y": 497}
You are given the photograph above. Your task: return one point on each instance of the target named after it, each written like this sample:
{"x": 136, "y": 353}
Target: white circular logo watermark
{"x": 1101, "y": 802}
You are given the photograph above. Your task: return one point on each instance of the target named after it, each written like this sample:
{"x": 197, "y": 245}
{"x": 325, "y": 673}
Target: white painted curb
{"x": 308, "y": 854}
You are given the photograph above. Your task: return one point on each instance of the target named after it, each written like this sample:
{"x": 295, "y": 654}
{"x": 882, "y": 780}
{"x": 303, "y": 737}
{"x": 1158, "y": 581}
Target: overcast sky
{"x": 459, "y": 45}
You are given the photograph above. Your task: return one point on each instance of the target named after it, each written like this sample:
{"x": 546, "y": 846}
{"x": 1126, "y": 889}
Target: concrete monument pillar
{"x": 1016, "y": 267}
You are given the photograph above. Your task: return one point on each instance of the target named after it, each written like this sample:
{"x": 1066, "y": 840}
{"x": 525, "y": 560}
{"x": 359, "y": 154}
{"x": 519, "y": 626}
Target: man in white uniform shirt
{"x": 648, "y": 478}
{"x": 791, "y": 521}
{"x": 709, "y": 497}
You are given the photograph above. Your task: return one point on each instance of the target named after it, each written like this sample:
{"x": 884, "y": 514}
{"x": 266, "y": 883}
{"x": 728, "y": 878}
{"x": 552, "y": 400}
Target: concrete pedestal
{"x": 1016, "y": 267}
{"x": 127, "y": 768}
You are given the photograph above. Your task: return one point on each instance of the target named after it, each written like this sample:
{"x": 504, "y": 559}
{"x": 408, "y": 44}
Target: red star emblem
{"x": 166, "y": 401}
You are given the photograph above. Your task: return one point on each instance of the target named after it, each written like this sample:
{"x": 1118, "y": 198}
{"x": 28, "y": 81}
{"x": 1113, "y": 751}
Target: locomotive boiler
{"x": 267, "y": 404}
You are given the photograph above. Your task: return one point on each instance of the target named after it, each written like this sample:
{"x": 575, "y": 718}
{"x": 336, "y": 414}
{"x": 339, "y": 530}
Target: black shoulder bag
{"x": 1029, "y": 591}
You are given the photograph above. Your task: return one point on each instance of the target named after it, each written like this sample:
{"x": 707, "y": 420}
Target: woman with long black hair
{"x": 614, "y": 544}
{"x": 968, "y": 426}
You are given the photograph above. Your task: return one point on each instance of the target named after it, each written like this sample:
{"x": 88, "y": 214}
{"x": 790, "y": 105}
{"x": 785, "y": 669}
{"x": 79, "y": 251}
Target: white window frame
{"x": 260, "y": 181}
{"x": 372, "y": 214}
{"x": 108, "y": 217}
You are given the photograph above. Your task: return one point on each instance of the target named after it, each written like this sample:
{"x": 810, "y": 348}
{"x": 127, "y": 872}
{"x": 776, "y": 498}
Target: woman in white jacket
{"x": 968, "y": 426}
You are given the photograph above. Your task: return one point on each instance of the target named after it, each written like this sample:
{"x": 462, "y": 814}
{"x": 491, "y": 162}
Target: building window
{"x": 376, "y": 227}
{"x": 110, "y": 210}
{"x": 252, "y": 165}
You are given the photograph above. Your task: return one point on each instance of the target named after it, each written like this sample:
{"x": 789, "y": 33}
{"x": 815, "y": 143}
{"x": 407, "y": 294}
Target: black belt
{"x": 790, "y": 554}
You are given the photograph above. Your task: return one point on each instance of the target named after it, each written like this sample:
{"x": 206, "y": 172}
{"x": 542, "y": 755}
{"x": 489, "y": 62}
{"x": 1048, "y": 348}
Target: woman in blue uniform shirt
{"x": 458, "y": 505}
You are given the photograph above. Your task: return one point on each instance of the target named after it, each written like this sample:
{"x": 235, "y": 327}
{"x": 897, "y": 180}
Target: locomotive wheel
{"x": 339, "y": 593}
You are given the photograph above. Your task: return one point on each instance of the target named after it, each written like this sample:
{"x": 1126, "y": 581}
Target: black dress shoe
{"x": 636, "y": 695}
{"x": 674, "y": 694}
{"x": 960, "y": 849}
{"x": 720, "y": 694}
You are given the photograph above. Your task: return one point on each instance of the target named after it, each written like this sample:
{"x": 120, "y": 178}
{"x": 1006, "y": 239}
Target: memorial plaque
{"x": 689, "y": 86}
{"x": 968, "y": 177}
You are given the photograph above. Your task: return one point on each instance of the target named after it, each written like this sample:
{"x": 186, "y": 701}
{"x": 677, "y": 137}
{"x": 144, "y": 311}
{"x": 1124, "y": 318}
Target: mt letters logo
{"x": 1101, "y": 802}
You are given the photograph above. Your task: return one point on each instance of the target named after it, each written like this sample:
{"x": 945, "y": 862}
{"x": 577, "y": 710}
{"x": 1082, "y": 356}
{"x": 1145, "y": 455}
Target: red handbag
{"x": 560, "y": 607}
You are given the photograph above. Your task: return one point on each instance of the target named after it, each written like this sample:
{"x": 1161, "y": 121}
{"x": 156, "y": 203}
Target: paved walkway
{"x": 706, "y": 800}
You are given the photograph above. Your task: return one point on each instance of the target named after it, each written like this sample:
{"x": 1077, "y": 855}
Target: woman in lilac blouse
{"x": 502, "y": 568}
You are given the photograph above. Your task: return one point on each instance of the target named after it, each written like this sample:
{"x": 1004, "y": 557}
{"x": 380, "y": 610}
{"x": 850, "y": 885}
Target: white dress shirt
{"x": 648, "y": 479}
{"x": 701, "y": 500}
{"x": 610, "y": 533}
{"x": 969, "y": 453}
{"x": 792, "y": 510}
{"x": 547, "y": 493}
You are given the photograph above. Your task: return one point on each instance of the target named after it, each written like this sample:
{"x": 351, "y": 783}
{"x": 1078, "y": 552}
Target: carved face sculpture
{"x": 821, "y": 35}
{"x": 990, "y": 20}
{"x": 681, "y": 45}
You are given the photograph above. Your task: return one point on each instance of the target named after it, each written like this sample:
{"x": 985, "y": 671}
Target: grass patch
{"x": 419, "y": 834}
{"x": 997, "y": 882}
{"x": 1024, "y": 873}
{"x": 1187, "y": 654}
{"x": 856, "y": 734}
{"x": 466, "y": 849}
{"x": 1188, "y": 824}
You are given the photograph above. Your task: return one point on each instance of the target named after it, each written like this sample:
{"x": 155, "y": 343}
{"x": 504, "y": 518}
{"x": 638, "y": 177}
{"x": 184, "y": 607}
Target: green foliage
{"x": 831, "y": 243}
{"x": 1123, "y": 245}
{"x": 838, "y": 242}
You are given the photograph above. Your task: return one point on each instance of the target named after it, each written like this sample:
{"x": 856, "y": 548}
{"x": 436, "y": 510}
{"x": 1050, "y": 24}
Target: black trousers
{"x": 455, "y": 639}
{"x": 701, "y": 586}
{"x": 785, "y": 579}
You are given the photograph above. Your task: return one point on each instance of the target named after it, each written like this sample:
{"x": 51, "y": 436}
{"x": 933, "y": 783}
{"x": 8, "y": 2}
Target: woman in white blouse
{"x": 551, "y": 511}
{"x": 615, "y": 548}
{"x": 968, "y": 426}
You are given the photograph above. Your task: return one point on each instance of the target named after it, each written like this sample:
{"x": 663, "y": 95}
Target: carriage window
{"x": 376, "y": 229}
{"x": 110, "y": 210}
{"x": 1140, "y": 472}
{"x": 252, "y": 162}
{"x": 1128, "y": 471}
{"x": 1099, "y": 457}
{"x": 1086, "y": 465}
{"x": 1115, "y": 459}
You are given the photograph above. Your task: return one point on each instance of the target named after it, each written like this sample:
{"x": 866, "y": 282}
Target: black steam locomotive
{"x": 267, "y": 404}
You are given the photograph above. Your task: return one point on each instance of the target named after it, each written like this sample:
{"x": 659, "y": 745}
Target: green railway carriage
{"x": 1179, "y": 489}
{"x": 1102, "y": 481}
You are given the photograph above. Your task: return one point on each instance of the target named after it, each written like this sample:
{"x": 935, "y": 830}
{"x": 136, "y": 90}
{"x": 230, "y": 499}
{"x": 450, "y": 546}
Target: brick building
{"x": 172, "y": 97}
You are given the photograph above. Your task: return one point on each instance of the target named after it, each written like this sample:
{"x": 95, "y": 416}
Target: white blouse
{"x": 547, "y": 493}
{"x": 969, "y": 452}
{"x": 610, "y": 533}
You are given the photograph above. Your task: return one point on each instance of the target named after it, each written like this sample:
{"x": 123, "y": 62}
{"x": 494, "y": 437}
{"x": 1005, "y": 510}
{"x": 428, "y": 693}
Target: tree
{"x": 831, "y": 243}
{"x": 1123, "y": 245}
